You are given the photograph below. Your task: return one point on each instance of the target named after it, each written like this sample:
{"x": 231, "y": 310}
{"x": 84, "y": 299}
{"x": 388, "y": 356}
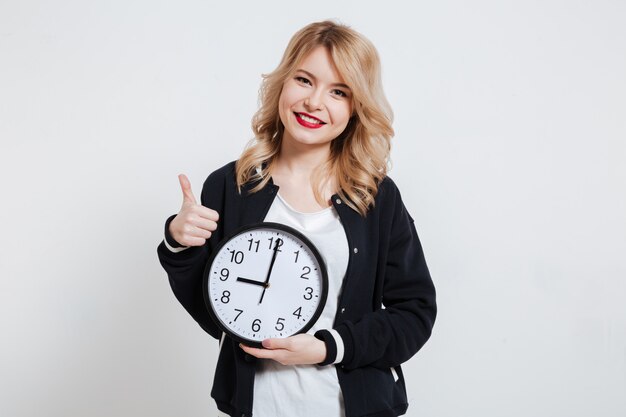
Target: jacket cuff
{"x": 172, "y": 249}
{"x": 345, "y": 336}
{"x": 170, "y": 242}
{"x": 178, "y": 256}
{"x": 334, "y": 346}
{"x": 331, "y": 346}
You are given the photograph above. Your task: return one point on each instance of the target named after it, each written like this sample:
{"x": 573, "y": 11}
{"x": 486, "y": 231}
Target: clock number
{"x": 279, "y": 324}
{"x": 238, "y": 314}
{"x": 225, "y": 297}
{"x": 298, "y": 312}
{"x": 279, "y": 243}
{"x": 236, "y": 256}
{"x": 224, "y": 274}
{"x": 297, "y": 253}
{"x": 309, "y": 293}
{"x": 256, "y": 325}
{"x": 254, "y": 242}
{"x": 304, "y": 274}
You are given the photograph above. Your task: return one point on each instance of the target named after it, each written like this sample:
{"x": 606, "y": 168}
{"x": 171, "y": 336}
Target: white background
{"x": 510, "y": 152}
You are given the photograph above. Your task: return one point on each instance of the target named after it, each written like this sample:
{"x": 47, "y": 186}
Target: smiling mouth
{"x": 308, "y": 121}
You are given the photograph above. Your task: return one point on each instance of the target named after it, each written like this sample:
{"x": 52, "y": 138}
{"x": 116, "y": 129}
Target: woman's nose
{"x": 314, "y": 100}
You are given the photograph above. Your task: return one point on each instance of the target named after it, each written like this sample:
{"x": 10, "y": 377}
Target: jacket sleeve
{"x": 185, "y": 269}
{"x": 392, "y": 334}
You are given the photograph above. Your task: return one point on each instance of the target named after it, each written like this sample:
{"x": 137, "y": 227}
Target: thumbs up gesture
{"x": 194, "y": 223}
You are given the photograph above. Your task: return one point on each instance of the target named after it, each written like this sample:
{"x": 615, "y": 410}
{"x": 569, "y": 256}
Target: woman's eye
{"x": 340, "y": 93}
{"x": 303, "y": 80}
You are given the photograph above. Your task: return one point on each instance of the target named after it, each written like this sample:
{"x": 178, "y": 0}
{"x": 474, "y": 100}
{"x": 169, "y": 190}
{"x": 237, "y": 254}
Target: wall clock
{"x": 264, "y": 281}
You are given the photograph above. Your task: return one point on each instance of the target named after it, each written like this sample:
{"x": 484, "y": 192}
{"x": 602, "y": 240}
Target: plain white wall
{"x": 509, "y": 150}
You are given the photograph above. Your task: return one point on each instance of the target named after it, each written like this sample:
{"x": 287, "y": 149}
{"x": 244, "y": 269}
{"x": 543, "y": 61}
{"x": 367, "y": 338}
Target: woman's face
{"x": 315, "y": 104}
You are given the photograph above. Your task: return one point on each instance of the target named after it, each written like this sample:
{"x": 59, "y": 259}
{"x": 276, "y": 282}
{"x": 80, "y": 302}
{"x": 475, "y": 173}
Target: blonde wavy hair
{"x": 359, "y": 156}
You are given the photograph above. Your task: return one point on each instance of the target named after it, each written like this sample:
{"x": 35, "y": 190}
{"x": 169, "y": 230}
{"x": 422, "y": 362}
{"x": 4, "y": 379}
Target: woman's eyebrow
{"x": 314, "y": 78}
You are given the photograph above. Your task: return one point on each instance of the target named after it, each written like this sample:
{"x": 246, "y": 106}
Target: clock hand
{"x": 269, "y": 273}
{"x": 251, "y": 281}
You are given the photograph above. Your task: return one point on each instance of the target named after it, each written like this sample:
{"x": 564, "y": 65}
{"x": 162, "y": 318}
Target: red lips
{"x": 308, "y": 124}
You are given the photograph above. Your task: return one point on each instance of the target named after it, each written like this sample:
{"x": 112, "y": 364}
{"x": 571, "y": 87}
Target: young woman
{"x": 318, "y": 163}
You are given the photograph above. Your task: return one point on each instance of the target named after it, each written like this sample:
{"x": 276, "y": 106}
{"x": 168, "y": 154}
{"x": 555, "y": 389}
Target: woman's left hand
{"x": 301, "y": 349}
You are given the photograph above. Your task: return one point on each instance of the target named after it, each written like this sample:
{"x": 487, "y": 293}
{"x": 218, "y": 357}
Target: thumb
{"x": 185, "y": 185}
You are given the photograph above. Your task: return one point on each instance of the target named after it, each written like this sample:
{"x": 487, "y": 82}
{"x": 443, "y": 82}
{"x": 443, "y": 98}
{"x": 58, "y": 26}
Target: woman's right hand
{"x": 194, "y": 223}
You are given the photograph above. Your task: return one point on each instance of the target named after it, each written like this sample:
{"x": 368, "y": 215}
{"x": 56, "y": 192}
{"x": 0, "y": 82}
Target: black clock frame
{"x": 255, "y": 226}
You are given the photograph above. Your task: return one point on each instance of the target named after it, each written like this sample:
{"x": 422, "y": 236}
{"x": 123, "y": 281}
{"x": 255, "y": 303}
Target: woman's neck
{"x": 299, "y": 164}
{"x": 292, "y": 171}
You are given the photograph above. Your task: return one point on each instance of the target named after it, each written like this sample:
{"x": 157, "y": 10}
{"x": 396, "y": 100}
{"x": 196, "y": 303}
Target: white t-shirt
{"x": 306, "y": 390}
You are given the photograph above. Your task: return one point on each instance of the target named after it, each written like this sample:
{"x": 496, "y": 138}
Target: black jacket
{"x": 386, "y": 308}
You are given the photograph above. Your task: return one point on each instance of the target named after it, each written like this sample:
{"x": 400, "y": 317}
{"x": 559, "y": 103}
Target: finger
{"x": 199, "y": 234}
{"x": 194, "y": 241}
{"x": 259, "y": 353}
{"x": 201, "y": 223}
{"x": 185, "y": 185}
{"x": 192, "y": 231}
{"x": 207, "y": 213}
{"x": 277, "y": 343}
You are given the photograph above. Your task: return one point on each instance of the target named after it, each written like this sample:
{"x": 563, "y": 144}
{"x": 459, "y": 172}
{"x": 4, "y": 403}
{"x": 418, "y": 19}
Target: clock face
{"x": 266, "y": 281}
